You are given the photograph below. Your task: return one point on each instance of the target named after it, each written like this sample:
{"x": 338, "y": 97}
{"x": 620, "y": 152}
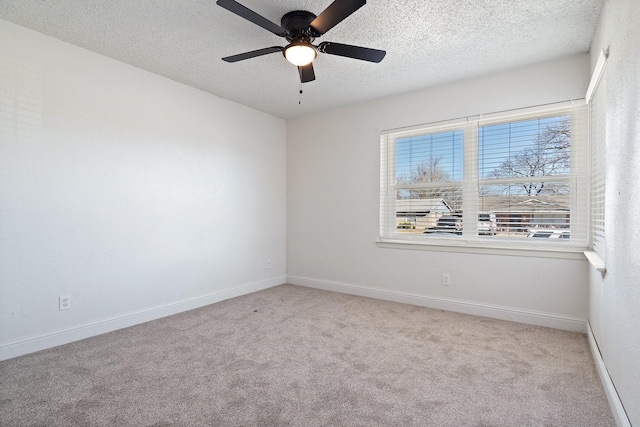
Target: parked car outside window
{"x": 550, "y": 234}
{"x": 447, "y": 225}
{"x": 453, "y": 224}
{"x": 487, "y": 223}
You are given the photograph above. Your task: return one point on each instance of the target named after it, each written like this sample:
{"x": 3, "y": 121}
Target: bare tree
{"x": 549, "y": 154}
{"x": 430, "y": 171}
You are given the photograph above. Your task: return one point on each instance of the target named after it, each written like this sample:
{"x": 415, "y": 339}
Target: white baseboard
{"x": 530, "y": 317}
{"x": 21, "y": 347}
{"x": 617, "y": 409}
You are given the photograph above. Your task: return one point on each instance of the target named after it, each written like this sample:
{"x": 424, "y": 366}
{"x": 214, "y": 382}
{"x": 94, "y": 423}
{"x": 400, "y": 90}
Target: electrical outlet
{"x": 268, "y": 263}
{"x": 446, "y": 279}
{"x": 64, "y": 302}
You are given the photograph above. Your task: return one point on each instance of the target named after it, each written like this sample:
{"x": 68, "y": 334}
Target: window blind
{"x": 509, "y": 179}
{"x": 597, "y": 112}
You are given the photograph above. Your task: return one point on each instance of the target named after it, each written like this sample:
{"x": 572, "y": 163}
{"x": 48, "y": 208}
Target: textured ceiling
{"x": 428, "y": 42}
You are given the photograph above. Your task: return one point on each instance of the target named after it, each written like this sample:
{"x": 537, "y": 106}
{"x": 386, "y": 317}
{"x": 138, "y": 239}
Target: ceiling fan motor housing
{"x": 296, "y": 23}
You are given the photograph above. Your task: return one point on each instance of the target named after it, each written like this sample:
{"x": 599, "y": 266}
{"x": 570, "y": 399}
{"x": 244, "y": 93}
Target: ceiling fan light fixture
{"x": 300, "y": 53}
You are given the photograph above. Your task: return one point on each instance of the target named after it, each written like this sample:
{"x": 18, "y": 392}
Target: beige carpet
{"x": 292, "y": 356}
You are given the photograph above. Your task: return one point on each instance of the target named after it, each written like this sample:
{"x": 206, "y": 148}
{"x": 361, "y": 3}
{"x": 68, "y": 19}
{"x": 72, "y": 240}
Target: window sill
{"x": 466, "y": 247}
{"x": 596, "y": 261}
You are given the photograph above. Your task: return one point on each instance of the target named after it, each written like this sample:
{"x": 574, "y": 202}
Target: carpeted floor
{"x": 292, "y": 356}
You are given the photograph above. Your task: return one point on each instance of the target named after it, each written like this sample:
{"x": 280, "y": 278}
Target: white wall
{"x": 333, "y": 206}
{"x": 615, "y": 301}
{"x": 134, "y": 194}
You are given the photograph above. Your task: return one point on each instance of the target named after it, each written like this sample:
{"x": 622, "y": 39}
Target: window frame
{"x": 470, "y": 240}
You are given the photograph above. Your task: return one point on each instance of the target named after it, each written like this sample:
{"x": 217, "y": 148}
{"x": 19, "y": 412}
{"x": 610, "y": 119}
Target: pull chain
{"x": 299, "y": 93}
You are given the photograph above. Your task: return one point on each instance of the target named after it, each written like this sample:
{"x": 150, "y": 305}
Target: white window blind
{"x": 503, "y": 180}
{"x": 597, "y": 112}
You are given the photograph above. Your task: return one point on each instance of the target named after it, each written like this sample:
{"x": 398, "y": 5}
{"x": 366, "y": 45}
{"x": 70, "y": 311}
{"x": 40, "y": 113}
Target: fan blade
{"x": 355, "y": 52}
{"x": 306, "y": 73}
{"x": 253, "y": 54}
{"x": 250, "y": 15}
{"x": 334, "y": 14}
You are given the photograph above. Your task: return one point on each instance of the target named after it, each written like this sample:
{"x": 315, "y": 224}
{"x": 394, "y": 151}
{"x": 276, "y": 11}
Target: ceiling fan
{"x": 300, "y": 28}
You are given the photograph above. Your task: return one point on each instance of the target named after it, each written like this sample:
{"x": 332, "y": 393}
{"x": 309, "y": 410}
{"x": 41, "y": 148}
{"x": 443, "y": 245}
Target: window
{"x": 508, "y": 180}
{"x": 596, "y": 96}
